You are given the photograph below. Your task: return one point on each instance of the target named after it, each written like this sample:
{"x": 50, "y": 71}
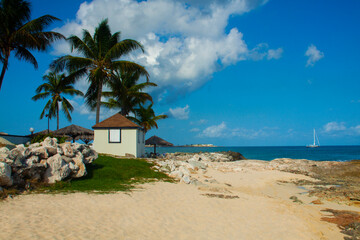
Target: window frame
{"x": 109, "y": 135}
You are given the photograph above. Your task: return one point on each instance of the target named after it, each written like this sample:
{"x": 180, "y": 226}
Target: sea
{"x": 323, "y": 153}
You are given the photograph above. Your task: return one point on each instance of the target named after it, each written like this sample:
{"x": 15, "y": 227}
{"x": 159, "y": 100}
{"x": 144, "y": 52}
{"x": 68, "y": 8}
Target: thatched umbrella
{"x": 74, "y": 131}
{"x": 85, "y": 138}
{"x": 155, "y": 140}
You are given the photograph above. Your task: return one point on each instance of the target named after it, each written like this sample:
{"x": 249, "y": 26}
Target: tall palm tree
{"x": 100, "y": 57}
{"x": 56, "y": 86}
{"x": 125, "y": 94}
{"x": 145, "y": 117}
{"x": 19, "y": 34}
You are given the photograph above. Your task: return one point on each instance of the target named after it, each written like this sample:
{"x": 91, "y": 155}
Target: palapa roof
{"x": 116, "y": 121}
{"x": 73, "y": 130}
{"x": 155, "y": 140}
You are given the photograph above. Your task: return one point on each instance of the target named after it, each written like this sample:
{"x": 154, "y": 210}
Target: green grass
{"x": 108, "y": 174}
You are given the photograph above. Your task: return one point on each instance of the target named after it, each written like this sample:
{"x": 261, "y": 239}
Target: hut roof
{"x": 73, "y": 130}
{"x": 155, "y": 140}
{"x": 116, "y": 121}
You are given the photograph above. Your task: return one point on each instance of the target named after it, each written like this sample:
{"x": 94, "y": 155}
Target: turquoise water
{"x": 323, "y": 153}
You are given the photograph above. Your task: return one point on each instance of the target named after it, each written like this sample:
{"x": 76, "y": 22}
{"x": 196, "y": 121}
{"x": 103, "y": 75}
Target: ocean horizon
{"x": 323, "y": 153}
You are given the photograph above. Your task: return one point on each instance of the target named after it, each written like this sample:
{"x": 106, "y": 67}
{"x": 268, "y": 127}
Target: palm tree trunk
{"x": 57, "y": 115}
{"x": 98, "y": 102}
{"x": 5, "y": 64}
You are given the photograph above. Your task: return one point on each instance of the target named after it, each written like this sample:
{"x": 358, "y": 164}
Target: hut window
{"x": 114, "y": 136}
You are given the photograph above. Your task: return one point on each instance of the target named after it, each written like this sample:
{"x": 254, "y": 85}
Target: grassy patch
{"x": 108, "y": 174}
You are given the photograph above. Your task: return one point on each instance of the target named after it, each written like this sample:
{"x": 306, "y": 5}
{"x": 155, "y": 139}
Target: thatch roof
{"x": 155, "y": 140}
{"x": 116, "y": 121}
{"x": 74, "y": 131}
{"x": 3, "y": 141}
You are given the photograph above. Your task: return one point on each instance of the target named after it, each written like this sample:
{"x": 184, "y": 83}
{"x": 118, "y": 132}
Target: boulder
{"x": 32, "y": 160}
{"x": 186, "y": 179}
{"x": 5, "y": 174}
{"x": 57, "y": 169}
{"x": 176, "y": 174}
{"x": 4, "y": 150}
{"x": 199, "y": 165}
{"x": 49, "y": 142}
{"x": 68, "y": 150}
{"x": 41, "y": 152}
{"x": 51, "y": 150}
{"x": 79, "y": 163}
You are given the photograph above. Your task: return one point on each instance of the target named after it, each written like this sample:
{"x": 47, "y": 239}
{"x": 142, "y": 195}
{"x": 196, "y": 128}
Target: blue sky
{"x": 232, "y": 73}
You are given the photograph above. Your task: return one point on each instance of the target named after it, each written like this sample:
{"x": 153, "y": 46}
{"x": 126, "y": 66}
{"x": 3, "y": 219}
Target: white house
{"x": 119, "y": 136}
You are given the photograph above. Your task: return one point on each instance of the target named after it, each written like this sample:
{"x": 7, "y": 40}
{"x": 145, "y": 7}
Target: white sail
{"x": 314, "y": 145}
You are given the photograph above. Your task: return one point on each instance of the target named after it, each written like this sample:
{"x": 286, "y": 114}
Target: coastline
{"x": 246, "y": 199}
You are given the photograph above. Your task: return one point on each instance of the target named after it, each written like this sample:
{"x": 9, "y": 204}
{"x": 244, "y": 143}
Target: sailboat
{"x": 314, "y": 145}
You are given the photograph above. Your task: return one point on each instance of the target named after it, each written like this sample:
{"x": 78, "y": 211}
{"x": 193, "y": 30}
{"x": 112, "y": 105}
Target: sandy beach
{"x": 249, "y": 203}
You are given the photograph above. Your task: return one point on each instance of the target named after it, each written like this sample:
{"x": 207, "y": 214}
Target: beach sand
{"x": 247, "y": 204}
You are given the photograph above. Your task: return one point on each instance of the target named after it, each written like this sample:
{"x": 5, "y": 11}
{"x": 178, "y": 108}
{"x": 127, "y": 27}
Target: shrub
{"x": 41, "y": 137}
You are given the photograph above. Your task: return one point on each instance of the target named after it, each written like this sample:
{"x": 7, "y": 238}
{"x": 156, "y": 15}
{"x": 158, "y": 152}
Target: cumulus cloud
{"x": 339, "y": 129}
{"x": 223, "y": 131}
{"x": 195, "y": 130}
{"x": 274, "y": 53}
{"x": 314, "y": 55}
{"x": 214, "y": 131}
{"x": 179, "y": 112}
{"x": 185, "y": 41}
{"x": 334, "y": 126}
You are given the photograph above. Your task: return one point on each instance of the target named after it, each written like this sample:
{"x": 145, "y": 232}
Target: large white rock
{"x": 79, "y": 162}
{"x": 4, "y": 150}
{"x": 5, "y": 175}
{"x": 68, "y": 150}
{"x": 57, "y": 169}
{"x": 41, "y": 152}
{"x": 50, "y": 142}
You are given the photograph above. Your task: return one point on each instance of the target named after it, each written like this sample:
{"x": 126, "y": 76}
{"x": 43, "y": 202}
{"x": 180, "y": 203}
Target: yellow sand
{"x": 170, "y": 211}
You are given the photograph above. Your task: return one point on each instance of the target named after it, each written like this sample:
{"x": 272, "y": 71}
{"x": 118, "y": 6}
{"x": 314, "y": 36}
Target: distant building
{"x": 119, "y": 136}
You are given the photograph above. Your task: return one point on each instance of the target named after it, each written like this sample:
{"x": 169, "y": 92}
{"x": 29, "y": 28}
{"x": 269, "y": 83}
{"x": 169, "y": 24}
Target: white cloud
{"x": 185, "y": 41}
{"x": 274, "y": 53}
{"x": 339, "y": 129}
{"x": 222, "y": 131}
{"x": 314, "y": 55}
{"x": 199, "y": 122}
{"x": 180, "y": 113}
{"x": 334, "y": 126}
{"x": 195, "y": 130}
{"x": 214, "y": 131}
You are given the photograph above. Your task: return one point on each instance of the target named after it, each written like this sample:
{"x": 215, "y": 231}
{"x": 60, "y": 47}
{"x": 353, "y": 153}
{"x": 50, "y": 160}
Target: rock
{"x": 90, "y": 155}
{"x": 184, "y": 170}
{"x": 5, "y": 175}
{"x": 4, "y": 150}
{"x": 57, "y": 169}
{"x": 34, "y": 145}
{"x": 68, "y": 150}
{"x": 176, "y": 174}
{"x": 128, "y": 155}
{"x": 51, "y": 151}
{"x": 18, "y": 157}
{"x": 41, "y": 152}
{"x": 32, "y": 160}
{"x": 49, "y": 142}
{"x": 234, "y": 156}
{"x": 78, "y": 160}
{"x": 186, "y": 179}
{"x": 198, "y": 165}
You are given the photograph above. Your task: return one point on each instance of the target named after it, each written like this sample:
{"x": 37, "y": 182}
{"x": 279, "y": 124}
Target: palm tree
{"x": 146, "y": 118}
{"x": 101, "y": 54}
{"x": 125, "y": 94}
{"x": 56, "y": 86}
{"x": 19, "y": 34}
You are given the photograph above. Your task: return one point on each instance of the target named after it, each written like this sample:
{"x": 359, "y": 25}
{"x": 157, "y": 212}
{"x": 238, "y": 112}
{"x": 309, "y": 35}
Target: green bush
{"x": 41, "y": 137}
